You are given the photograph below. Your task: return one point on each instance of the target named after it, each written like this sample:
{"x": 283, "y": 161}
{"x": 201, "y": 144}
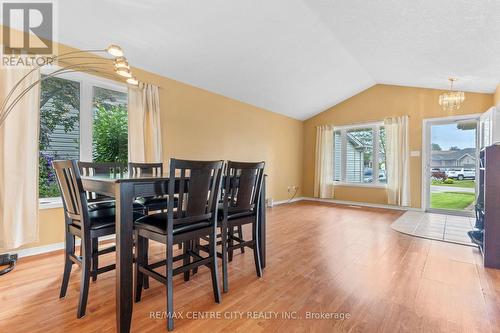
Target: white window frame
{"x": 375, "y": 127}
{"x": 87, "y": 83}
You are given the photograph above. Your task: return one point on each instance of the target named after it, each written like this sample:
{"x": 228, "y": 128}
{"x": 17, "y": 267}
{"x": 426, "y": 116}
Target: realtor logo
{"x": 34, "y": 20}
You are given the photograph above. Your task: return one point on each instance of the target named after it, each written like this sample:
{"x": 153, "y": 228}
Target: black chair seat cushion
{"x": 158, "y": 223}
{"x": 232, "y": 215}
{"x": 153, "y": 203}
{"x": 112, "y": 204}
{"x": 104, "y": 218}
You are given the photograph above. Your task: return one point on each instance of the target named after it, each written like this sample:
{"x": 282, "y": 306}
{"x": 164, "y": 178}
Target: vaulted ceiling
{"x": 296, "y": 57}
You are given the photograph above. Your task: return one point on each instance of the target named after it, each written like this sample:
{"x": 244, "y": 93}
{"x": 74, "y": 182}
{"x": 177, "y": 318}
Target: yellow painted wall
{"x": 497, "y": 96}
{"x": 198, "y": 124}
{"x": 374, "y": 104}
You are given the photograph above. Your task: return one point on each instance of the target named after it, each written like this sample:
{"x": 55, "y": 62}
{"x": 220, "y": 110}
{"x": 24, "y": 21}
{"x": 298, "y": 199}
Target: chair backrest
{"x": 73, "y": 195}
{"x": 145, "y": 169}
{"x": 197, "y": 184}
{"x": 97, "y": 168}
{"x": 242, "y": 187}
{"x": 113, "y": 169}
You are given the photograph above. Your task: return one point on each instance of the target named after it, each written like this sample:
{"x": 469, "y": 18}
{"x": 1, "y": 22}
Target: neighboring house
{"x": 464, "y": 158}
{"x": 355, "y": 149}
{"x": 64, "y": 145}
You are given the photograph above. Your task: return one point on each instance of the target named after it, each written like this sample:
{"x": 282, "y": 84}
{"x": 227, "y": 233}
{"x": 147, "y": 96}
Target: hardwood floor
{"x": 321, "y": 258}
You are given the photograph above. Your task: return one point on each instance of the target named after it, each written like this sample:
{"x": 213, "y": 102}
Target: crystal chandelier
{"x": 452, "y": 100}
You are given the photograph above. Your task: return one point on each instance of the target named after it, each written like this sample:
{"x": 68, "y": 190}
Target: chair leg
{"x": 69, "y": 244}
{"x": 146, "y": 262}
{"x": 139, "y": 261}
{"x": 240, "y": 236}
{"x": 230, "y": 243}
{"x": 196, "y": 249}
{"x": 84, "y": 283}
{"x": 225, "y": 282}
{"x": 213, "y": 267}
{"x": 186, "y": 260}
{"x": 170, "y": 285}
{"x": 256, "y": 250}
{"x": 95, "y": 258}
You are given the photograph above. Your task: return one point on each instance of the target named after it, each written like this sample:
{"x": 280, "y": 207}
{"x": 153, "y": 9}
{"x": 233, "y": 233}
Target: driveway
{"x": 437, "y": 189}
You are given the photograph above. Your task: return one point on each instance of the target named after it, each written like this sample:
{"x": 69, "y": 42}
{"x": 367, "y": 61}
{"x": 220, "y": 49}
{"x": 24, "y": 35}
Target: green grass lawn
{"x": 456, "y": 183}
{"x": 451, "y": 200}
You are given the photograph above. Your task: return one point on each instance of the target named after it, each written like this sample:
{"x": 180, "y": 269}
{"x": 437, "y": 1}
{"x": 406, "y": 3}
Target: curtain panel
{"x": 144, "y": 132}
{"x": 19, "y": 160}
{"x": 398, "y": 160}
{"x": 323, "y": 177}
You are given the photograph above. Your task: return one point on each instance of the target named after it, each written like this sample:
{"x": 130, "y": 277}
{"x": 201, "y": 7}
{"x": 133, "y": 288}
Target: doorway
{"x": 450, "y": 160}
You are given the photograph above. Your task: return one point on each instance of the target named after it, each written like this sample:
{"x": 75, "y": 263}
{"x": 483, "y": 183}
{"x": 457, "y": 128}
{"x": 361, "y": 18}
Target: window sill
{"x": 360, "y": 185}
{"x": 50, "y": 203}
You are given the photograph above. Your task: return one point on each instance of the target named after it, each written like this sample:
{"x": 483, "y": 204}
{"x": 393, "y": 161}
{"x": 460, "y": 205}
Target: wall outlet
{"x": 270, "y": 202}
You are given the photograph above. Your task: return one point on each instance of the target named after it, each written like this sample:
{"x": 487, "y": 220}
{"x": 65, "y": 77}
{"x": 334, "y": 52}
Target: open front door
{"x": 450, "y": 164}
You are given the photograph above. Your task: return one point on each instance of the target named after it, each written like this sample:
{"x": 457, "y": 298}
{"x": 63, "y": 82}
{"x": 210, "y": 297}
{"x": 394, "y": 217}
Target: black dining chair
{"x": 98, "y": 201}
{"x": 197, "y": 188}
{"x": 242, "y": 188}
{"x": 149, "y": 169}
{"x": 85, "y": 224}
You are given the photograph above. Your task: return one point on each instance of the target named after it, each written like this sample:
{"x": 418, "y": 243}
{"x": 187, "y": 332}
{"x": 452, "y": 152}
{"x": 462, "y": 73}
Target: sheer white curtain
{"x": 144, "y": 131}
{"x": 19, "y": 161}
{"x": 398, "y": 161}
{"x": 323, "y": 178}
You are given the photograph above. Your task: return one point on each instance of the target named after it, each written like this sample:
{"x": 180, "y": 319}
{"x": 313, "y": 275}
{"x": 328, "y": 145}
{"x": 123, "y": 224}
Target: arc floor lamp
{"x": 112, "y": 65}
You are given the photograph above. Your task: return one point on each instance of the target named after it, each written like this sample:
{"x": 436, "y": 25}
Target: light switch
{"x": 415, "y": 153}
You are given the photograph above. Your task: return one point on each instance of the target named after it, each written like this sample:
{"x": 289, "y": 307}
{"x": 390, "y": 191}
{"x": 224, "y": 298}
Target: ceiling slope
{"x": 277, "y": 54}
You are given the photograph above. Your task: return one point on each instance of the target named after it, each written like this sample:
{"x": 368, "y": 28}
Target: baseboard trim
{"x": 32, "y": 251}
{"x": 356, "y": 203}
{"x": 282, "y": 202}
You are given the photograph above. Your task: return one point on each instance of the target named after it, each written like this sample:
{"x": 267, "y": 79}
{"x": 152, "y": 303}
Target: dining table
{"x": 125, "y": 188}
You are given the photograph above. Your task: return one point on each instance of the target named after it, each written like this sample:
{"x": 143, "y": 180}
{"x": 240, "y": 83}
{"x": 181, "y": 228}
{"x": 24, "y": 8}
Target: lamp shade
{"x": 115, "y": 50}
{"x": 133, "y": 81}
{"x": 125, "y": 72}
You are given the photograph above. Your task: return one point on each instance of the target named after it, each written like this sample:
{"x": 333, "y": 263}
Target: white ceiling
{"x": 296, "y": 57}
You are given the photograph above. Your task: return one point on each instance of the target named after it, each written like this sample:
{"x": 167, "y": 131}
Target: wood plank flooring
{"x": 321, "y": 258}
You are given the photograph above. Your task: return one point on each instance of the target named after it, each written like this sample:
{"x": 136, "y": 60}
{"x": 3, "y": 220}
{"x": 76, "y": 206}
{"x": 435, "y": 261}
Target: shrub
{"x": 47, "y": 186}
{"x": 439, "y": 175}
{"x": 110, "y": 134}
{"x": 448, "y": 181}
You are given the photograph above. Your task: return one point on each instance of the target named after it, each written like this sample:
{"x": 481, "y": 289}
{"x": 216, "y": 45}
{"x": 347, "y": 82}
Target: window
{"x": 359, "y": 154}
{"x": 82, "y": 117}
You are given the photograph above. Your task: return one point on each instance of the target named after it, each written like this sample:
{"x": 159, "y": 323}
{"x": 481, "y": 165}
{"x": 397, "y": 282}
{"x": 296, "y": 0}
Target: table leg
{"x": 262, "y": 226}
{"x": 124, "y": 256}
